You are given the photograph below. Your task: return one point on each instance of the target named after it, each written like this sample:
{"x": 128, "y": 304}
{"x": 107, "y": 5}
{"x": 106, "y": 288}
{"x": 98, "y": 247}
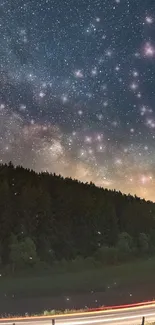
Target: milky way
{"x": 77, "y": 90}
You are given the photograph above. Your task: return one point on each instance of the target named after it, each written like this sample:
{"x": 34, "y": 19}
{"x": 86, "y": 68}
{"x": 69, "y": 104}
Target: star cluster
{"x": 77, "y": 90}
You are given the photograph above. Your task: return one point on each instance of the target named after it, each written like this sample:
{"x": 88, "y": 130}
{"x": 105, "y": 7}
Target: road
{"x": 126, "y": 316}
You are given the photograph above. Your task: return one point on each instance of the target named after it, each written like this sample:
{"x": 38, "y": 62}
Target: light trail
{"x": 123, "y": 315}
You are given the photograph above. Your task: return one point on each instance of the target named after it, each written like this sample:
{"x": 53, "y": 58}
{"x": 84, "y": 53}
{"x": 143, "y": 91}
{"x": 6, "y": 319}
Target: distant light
{"x": 149, "y": 50}
{"x": 22, "y": 107}
{"x": 94, "y": 72}
{"x": 149, "y": 19}
{"x": 109, "y": 53}
{"x": 135, "y": 74}
{"x": 80, "y": 112}
{"x": 134, "y": 86}
{"x": 78, "y": 74}
{"x": 41, "y": 94}
{"x": 105, "y": 104}
{"x": 117, "y": 68}
{"x": 64, "y": 99}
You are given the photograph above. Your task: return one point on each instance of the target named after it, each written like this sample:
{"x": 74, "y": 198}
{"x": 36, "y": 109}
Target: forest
{"x": 46, "y": 219}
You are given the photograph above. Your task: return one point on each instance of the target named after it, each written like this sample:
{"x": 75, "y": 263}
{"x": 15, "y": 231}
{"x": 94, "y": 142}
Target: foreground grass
{"x": 62, "y": 312}
{"x": 96, "y": 279}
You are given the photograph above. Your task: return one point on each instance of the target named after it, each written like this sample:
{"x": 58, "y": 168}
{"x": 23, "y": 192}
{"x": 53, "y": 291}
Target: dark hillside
{"x": 63, "y": 218}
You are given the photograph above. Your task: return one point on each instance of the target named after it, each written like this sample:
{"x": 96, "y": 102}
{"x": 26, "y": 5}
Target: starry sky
{"x": 77, "y": 90}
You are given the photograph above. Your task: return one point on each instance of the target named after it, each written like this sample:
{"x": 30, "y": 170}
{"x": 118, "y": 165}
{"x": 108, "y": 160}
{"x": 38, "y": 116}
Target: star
{"x": 149, "y": 50}
{"x": 78, "y": 74}
{"x": 42, "y": 94}
{"x": 149, "y": 19}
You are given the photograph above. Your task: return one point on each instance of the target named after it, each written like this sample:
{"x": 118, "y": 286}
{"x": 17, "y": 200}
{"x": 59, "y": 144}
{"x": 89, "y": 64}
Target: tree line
{"x": 46, "y": 218}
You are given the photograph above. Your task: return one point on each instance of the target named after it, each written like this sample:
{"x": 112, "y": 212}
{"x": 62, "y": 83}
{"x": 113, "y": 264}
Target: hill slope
{"x": 66, "y": 218}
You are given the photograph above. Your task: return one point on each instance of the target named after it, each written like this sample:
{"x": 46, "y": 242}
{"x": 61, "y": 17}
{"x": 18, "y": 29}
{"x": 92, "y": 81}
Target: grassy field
{"x": 100, "y": 279}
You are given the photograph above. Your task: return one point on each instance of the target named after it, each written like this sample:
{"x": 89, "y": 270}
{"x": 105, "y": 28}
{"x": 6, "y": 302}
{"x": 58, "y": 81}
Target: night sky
{"x": 77, "y": 90}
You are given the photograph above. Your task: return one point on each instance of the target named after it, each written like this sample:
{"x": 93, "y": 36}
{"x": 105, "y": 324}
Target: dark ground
{"x": 123, "y": 284}
{"x": 116, "y": 296}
